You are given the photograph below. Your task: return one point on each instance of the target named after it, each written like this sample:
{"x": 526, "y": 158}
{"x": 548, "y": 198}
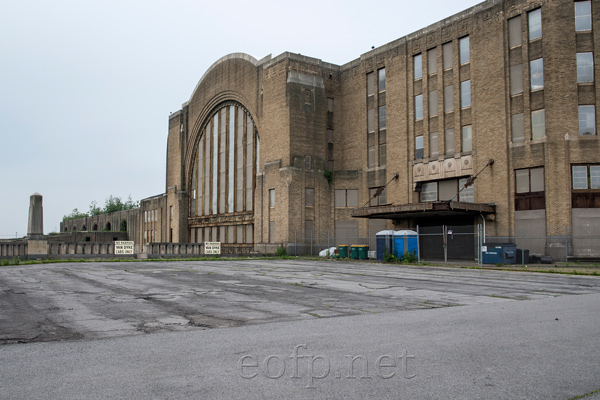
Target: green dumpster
{"x": 363, "y": 252}
{"x": 354, "y": 251}
{"x": 343, "y": 251}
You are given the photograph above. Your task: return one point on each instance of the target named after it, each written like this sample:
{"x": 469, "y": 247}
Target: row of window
{"x": 231, "y": 234}
{"x": 449, "y": 143}
{"x": 464, "y": 57}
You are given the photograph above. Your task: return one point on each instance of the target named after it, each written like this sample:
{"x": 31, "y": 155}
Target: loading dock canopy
{"x": 429, "y": 209}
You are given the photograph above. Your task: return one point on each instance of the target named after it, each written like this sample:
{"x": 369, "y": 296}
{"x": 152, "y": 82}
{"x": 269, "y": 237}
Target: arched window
{"x": 223, "y": 176}
{"x": 108, "y": 226}
{"x": 95, "y": 227}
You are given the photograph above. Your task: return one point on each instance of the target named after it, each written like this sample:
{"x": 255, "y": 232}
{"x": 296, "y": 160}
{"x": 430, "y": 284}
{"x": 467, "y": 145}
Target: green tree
{"x": 94, "y": 209}
{"x": 74, "y": 215}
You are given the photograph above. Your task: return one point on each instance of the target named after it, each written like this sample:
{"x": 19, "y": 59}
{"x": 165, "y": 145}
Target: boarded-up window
{"x": 371, "y": 120}
{"x": 346, "y": 232}
{"x": 449, "y": 98}
{"x": 381, "y": 79}
{"x": 434, "y": 148}
{"x": 309, "y": 197}
{"x": 418, "y": 66}
{"x": 370, "y": 83}
{"x": 447, "y": 56}
{"x": 433, "y": 103}
{"x": 432, "y": 61}
{"x": 529, "y": 189}
{"x": 272, "y": 232}
{"x": 538, "y": 124}
{"x": 449, "y": 142}
{"x": 516, "y": 79}
{"x": 271, "y": 197}
{"x": 447, "y": 189}
{"x": 517, "y": 127}
{"x": 346, "y": 198}
{"x": 514, "y": 31}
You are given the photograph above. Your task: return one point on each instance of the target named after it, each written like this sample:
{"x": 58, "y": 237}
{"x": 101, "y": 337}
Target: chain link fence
{"x": 460, "y": 243}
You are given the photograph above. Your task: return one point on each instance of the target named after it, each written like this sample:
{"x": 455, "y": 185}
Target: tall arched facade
{"x": 222, "y": 178}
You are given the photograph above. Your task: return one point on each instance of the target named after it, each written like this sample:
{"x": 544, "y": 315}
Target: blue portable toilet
{"x": 405, "y": 241}
{"x": 385, "y": 240}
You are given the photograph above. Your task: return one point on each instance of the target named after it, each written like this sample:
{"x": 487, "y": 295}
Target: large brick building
{"x": 266, "y": 151}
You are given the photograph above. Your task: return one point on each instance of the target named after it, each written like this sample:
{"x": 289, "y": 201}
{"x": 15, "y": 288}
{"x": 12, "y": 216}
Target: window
{"x": 432, "y": 61}
{"x": 309, "y": 197}
{"x": 585, "y": 67}
{"x": 381, "y": 79}
{"x": 329, "y": 135}
{"x": 516, "y": 79}
{"x": 329, "y": 104}
{"x": 170, "y": 212}
{"x": 465, "y": 94}
{"x": 375, "y": 199}
{"x": 419, "y": 107}
{"x": 447, "y": 55}
{"x": 371, "y": 120}
{"x": 583, "y": 15}
{"x": 529, "y": 189}
{"x": 586, "y": 186}
{"x": 538, "y": 124}
{"x": 382, "y": 154}
{"x": 307, "y": 162}
{"x": 382, "y": 118}
{"x": 370, "y": 84}
{"x": 449, "y": 142}
{"x": 271, "y": 197}
{"x": 464, "y": 53}
{"x": 467, "y": 138}
{"x": 517, "y": 127}
{"x": 449, "y": 98}
{"x": 536, "y": 71}
{"x": 346, "y": 198}
{"x": 419, "y": 150}
{"x": 587, "y": 120}
{"x": 271, "y": 231}
{"x": 467, "y": 195}
{"x": 514, "y": 31}
{"x": 433, "y": 103}
{"x": 434, "y": 148}
{"x": 535, "y": 24}
{"x": 586, "y": 177}
{"x": 418, "y": 66}
{"x": 428, "y": 192}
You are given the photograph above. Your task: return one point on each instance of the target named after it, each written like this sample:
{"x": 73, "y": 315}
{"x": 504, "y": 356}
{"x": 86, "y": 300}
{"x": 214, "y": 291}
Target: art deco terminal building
{"x": 268, "y": 151}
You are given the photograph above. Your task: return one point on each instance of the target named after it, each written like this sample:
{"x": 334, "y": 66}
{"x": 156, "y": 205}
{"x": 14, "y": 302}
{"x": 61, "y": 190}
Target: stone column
{"x": 37, "y": 246}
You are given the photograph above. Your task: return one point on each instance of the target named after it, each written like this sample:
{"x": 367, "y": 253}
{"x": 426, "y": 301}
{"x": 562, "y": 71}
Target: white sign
{"x": 123, "y": 247}
{"x": 484, "y": 248}
{"x": 212, "y": 247}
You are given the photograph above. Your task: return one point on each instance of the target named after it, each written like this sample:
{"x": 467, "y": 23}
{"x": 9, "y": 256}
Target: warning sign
{"x": 123, "y": 247}
{"x": 212, "y": 247}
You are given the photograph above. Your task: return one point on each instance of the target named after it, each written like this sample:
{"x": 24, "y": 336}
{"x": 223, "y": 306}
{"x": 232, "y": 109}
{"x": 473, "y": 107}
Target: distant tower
{"x": 35, "y": 227}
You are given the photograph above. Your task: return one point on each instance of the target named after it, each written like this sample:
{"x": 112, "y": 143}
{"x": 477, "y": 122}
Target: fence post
{"x": 295, "y": 243}
{"x": 445, "y": 242}
{"x": 566, "y": 245}
{"x": 418, "y": 246}
{"x": 311, "y": 243}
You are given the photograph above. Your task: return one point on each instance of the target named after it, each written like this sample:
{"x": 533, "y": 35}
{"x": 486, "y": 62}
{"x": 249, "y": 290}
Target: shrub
{"x": 281, "y": 252}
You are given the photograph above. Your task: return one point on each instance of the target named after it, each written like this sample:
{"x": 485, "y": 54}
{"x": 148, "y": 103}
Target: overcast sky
{"x": 86, "y": 86}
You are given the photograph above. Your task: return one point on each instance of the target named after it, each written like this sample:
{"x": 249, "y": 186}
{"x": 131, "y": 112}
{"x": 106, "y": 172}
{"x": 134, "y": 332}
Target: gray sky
{"x": 86, "y": 86}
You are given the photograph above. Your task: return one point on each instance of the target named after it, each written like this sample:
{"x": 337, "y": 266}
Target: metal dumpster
{"x": 499, "y": 253}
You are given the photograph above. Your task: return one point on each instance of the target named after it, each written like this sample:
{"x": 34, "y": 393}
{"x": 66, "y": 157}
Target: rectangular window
{"x": 467, "y": 138}
{"x": 432, "y": 61}
{"x": 419, "y": 148}
{"x": 371, "y": 120}
{"x": 429, "y": 192}
{"x": 467, "y": 195}
{"x": 433, "y": 103}
{"x": 346, "y": 198}
{"x": 382, "y": 154}
{"x": 529, "y": 189}
{"x": 382, "y": 118}
{"x": 514, "y": 31}
{"x": 377, "y": 200}
{"x": 583, "y": 15}
{"x": 419, "y": 107}
{"x": 449, "y": 142}
{"x": 465, "y": 94}
{"x": 536, "y": 72}
{"x": 271, "y": 231}
{"x": 517, "y": 127}
{"x": 271, "y": 197}
{"x": 538, "y": 124}
{"x": 381, "y": 79}
{"x": 170, "y": 212}
{"x": 516, "y": 79}
{"x": 585, "y": 67}
{"x": 329, "y": 135}
{"x": 434, "y": 148}
{"x": 418, "y": 66}
{"x": 465, "y": 54}
{"x": 587, "y": 120}
{"x": 370, "y": 84}
{"x": 329, "y": 104}
{"x": 447, "y": 55}
{"x": 309, "y": 199}
{"x": 535, "y": 24}
{"x": 580, "y": 177}
{"x": 449, "y": 98}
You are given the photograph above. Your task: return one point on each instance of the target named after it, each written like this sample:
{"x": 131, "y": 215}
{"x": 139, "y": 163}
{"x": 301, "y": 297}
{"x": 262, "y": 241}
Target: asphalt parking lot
{"x": 51, "y": 302}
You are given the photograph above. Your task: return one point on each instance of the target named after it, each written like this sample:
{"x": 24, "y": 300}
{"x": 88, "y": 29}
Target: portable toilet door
{"x": 405, "y": 241}
{"x": 385, "y": 241}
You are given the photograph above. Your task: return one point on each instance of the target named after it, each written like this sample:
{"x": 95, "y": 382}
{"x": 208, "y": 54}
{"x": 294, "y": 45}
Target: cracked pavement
{"x": 50, "y": 302}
